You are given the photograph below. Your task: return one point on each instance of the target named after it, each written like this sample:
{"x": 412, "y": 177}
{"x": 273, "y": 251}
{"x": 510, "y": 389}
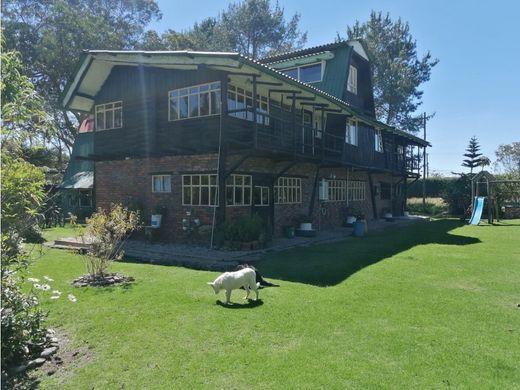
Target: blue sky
{"x": 475, "y": 88}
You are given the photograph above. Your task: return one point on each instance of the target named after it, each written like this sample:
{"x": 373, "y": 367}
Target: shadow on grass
{"x": 249, "y": 305}
{"x": 330, "y": 264}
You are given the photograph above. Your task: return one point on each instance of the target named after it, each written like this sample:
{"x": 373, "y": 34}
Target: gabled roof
{"x": 95, "y": 67}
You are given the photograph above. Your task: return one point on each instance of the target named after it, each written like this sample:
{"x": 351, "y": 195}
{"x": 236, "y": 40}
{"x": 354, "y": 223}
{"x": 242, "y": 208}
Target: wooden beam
{"x": 301, "y": 97}
{"x": 231, "y": 169}
{"x": 269, "y": 83}
{"x": 85, "y": 95}
{"x": 283, "y": 91}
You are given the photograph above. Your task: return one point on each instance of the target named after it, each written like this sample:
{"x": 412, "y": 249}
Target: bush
{"x": 108, "y": 232}
{"x": 434, "y": 206}
{"x": 458, "y": 195}
{"x": 244, "y": 229}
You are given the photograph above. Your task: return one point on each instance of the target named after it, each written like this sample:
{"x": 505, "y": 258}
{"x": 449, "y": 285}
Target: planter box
{"x": 306, "y": 226}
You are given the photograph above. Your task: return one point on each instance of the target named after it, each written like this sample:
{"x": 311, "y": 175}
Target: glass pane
{"x": 204, "y": 104}
{"x": 174, "y": 93}
{"x": 239, "y": 195}
{"x": 109, "y": 118}
{"x": 265, "y": 196}
{"x": 194, "y": 90}
{"x": 183, "y": 92}
{"x": 195, "y": 195}
{"x": 194, "y": 106}
{"x": 213, "y": 179}
{"x": 216, "y": 85}
{"x": 247, "y": 195}
{"x": 291, "y": 72}
{"x": 204, "y": 180}
{"x": 118, "y": 117}
{"x": 118, "y": 104}
{"x": 174, "y": 108}
{"x": 215, "y": 102}
{"x": 183, "y": 107}
{"x": 167, "y": 182}
{"x": 229, "y": 195}
{"x": 204, "y": 195}
{"x": 310, "y": 73}
{"x": 156, "y": 184}
{"x": 195, "y": 180}
{"x": 100, "y": 121}
{"x": 204, "y": 88}
{"x": 186, "y": 180}
{"x": 214, "y": 197}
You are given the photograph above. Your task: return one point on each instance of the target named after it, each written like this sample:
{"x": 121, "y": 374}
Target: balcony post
{"x": 255, "y": 113}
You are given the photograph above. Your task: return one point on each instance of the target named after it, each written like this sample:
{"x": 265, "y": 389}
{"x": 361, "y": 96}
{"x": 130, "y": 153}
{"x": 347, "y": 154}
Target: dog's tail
{"x": 258, "y": 285}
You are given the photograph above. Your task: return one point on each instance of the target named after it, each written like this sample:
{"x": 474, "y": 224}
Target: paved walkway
{"x": 225, "y": 260}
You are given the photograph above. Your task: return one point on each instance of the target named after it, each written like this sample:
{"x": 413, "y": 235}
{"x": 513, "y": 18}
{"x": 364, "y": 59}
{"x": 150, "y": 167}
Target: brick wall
{"x": 131, "y": 181}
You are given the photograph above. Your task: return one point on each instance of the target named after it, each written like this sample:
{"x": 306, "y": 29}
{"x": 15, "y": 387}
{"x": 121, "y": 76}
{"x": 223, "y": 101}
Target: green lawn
{"x": 427, "y": 306}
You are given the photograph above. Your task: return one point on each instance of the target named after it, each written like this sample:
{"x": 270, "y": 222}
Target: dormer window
{"x": 307, "y": 74}
{"x": 109, "y": 116}
{"x": 352, "y": 80}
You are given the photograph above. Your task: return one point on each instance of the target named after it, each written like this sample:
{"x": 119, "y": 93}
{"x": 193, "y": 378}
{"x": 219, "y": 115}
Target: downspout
{"x": 372, "y": 195}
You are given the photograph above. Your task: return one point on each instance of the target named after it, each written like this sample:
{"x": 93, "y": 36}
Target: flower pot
{"x": 305, "y": 226}
{"x": 350, "y": 220}
{"x": 156, "y": 220}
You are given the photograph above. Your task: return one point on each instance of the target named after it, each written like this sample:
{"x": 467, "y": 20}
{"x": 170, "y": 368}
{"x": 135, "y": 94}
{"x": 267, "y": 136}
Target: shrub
{"x": 244, "y": 229}
{"x": 108, "y": 232}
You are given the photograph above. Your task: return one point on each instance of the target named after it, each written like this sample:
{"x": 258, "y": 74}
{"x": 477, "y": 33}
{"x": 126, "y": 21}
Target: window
{"x": 386, "y": 191}
{"x": 288, "y": 190}
{"x": 109, "y": 116}
{"x": 307, "y": 74}
{"x": 351, "y": 133}
{"x": 337, "y": 190}
{"x": 81, "y": 198}
{"x": 356, "y": 190}
{"x": 161, "y": 183}
{"x": 261, "y": 196}
{"x": 352, "y": 80}
{"x": 400, "y": 152}
{"x": 241, "y": 99}
{"x": 238, "y": 190}
{"x": 378, "y": 141}
{"x": 196, "y": 101}
{"x": 199, "y": 190}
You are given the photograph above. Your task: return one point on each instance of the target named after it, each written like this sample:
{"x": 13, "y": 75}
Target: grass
{"x": 427, "y": 306}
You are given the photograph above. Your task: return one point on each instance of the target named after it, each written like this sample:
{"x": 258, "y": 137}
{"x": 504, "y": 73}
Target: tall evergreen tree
{"x": 397, "y": 69}
{"x": 473, "y": 157}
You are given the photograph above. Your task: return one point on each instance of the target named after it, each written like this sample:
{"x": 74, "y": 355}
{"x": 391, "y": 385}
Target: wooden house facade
{"x": 214, "y": 135}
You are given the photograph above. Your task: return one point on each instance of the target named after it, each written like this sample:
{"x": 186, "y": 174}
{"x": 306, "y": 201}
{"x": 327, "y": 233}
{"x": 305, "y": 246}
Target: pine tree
{"x": 473, "y": 159}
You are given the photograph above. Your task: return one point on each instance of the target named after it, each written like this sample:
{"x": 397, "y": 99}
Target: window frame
{"x": 101, "y": 108}
{"x": 199, "y": 186}
{"x": 348, "y": 132}
{"x": 378, "y": 141}
{"x": 261, "y": 188}
{"x": 236, "y": 95}
{"x": 356, "y": 190}
{"x": 352, "y": 80}
{"x": 180, "y": 93}
{"x": 288, "y": 190}
{"x": 298, "y": 71}
{"x": 163, "y": 188}
{"x": 233, "y": 185}
{"x": 337, "y": 190}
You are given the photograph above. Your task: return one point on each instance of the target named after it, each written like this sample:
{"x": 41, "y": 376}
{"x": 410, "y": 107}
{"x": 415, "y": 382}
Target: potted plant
{"x": 158, "y": 212}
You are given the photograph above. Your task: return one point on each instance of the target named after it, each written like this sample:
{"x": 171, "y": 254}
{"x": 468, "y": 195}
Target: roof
{"x": 95, "y": 67}
{"x": 80, "y": 180}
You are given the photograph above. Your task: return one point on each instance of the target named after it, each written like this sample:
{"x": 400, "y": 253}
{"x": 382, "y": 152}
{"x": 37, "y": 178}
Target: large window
{"x": 161, "y": 183}
{"x": 356, "y": 190}
{"x": 199, "y": 190}
{"x": 238, "y": 190}
{"x": 352, "y": 80}
{"x": 337, "y": 190}
{"x": 378, "y": 141}
{"x": 261, "y": 196}
{"x": 307, "y": 74}
{"x": 351, "y": 133}
{"x": 109, "y": 116}
{"x": 241, "y": 99}
{"x": 288, "y": 190}
{"x": 195, "y": 101}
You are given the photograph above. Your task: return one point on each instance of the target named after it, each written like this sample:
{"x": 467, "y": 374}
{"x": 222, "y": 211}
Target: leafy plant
{"x": 244, "y": 229}
{"x": 108, "y": 232}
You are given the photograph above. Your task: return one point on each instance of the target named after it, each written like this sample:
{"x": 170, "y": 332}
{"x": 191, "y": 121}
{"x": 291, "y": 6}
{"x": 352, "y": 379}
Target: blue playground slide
{"x": 477, "y": 211}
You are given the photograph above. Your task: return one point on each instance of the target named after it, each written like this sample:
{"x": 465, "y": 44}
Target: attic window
{"x": 307, "y": 74}
{"x": 109, "y": 116}
{"x": 352, "y": 80}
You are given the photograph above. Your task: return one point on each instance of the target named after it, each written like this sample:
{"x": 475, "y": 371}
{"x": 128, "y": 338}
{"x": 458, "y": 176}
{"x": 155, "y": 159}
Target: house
{"x": 213, "y": 135}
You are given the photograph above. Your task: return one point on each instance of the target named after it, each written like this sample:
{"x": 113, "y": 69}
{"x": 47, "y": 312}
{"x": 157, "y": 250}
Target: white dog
{"x": 232, "y": 280}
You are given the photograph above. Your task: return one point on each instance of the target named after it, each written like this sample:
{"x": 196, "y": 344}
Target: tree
{"x": 252, "y": 27}
{"x": 508, "y": 156}
{"x": 473, "y": 159}
{"x": 397, "y": 70}
{"x": 50, "y": 36}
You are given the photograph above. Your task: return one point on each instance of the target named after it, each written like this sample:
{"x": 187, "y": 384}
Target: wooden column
{"x": 221, "y": 173}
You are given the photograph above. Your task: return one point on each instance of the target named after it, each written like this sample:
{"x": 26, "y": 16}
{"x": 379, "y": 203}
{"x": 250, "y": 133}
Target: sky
{"x": 473, "y": 91}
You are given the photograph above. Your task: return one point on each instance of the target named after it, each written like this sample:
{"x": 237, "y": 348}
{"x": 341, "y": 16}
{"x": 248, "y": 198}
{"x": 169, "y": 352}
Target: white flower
{"x": 48, "y": 279}
{"x": 46, "y": 287}
{"x": 55, "y": 297}
{"x": 33, "y": 280}
{"x": 35, "y": 300}
{"x": 72, "y": 298}
{"x": 38, "y": 286}
{"x": 58, "y": 292}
